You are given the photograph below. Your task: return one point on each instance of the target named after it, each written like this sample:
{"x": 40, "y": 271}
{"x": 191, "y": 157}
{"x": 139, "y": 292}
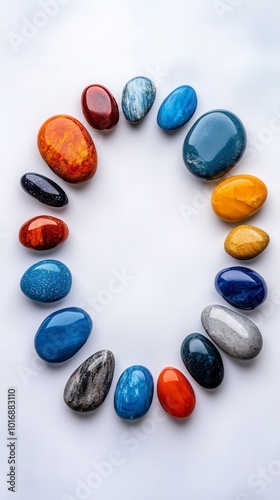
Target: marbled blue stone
{"x": 241, "y": 287}
{"x": 134, "y": 393}
{"x": 177, "y": 108}
{"x": 203, "y": 360}
{"x": 138, "y": 96}
{"x": 214, "y": 144}
{"x": 46, "y": 281}
{"x": 62, "y": 334}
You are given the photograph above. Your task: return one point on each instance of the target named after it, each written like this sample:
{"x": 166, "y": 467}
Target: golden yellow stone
{"x": 238, "y": 197}
{"x": 246, "y": 242}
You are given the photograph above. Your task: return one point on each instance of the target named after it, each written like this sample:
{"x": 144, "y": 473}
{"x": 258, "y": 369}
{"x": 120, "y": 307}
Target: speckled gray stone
{"x": 235, "y": 334}
{"x": 88, "y": 386}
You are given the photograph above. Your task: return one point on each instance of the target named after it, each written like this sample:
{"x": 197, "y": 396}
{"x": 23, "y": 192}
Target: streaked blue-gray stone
{"x": 235, "y": 334}
{"x": 138, "y": 96}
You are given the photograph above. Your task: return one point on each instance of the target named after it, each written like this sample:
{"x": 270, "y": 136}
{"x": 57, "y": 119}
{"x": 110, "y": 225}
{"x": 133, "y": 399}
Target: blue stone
{"x": 203, "y": 360}
{"x": 214, "y": 144}
{"x": 46, "y": 281}
{"x": 178, "y": 108}
{"x": 62, "y": 334}
{"x": 241, "y": 287}
{"x": 138, "y": 96}
{"x": 134, "y": 393}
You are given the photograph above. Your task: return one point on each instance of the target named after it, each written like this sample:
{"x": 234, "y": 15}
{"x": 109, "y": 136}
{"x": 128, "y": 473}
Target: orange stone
{"x": 238, "y": 197}
{"x": 175, "y": 393}
{"x": 43, "y": 232}
{"x": 246, "y": 242}
{"x": 67, "y": 148}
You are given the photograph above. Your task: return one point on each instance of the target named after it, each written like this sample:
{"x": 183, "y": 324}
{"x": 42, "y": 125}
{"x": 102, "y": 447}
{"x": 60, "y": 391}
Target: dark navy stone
{"x": 241, "y": 287}
{"x": 134, "y": 393}
{"x": 62, "y": 334}
{"x": 88, "y": 386}
{"x": 214, "y": 144}
{"x": 44, "y": 190}
{"x": 138, "y": 96}
{"x": 46, "y": 281}
{"x": 177, "y": 108}
{"x": 203, "y": 360}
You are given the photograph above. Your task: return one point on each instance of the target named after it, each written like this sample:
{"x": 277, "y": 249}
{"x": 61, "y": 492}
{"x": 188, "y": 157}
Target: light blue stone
{"x": 134, "y": 393}
{"x": 46, "y": 281}
{"x": 62, "y": 334}
{"x": 177, "y": 108}
{"x": 214, "y": 144}
{"x": 138, "y": 96}
{"x": 241, "y": 287}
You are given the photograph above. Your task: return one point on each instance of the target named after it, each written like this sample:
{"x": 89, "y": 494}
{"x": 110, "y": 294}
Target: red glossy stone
{"x": 175, "y": 393}
{"x": 43, "y": 232}
{"x": 100, "y": 107}
{"x": 67, "y": 148}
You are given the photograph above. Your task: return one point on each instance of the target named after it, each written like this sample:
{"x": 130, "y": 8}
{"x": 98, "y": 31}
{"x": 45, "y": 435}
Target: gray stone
{"x": 88, "y": 386}
{"x": 235, "y": 334}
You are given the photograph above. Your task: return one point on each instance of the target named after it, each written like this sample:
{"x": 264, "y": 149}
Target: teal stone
{"x": 138, "y": 96}
{"x": 134, "y": 393}
{"x": 62, "y": 334}
{"x": 46, "y": 281}
{"x": 177, "y": 108}
{"x": 214, "y": 144}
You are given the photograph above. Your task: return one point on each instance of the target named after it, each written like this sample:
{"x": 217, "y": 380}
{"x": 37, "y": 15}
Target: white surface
{"x": 130, "y": 217}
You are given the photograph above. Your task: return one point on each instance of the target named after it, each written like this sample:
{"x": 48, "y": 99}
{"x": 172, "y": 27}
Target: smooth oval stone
{"x": 67, "y": 148}
{"x": 235, "y": 334}
{"x": 238, "y": 197}
{"x": 138, "y": 96}
{"x": 100, "y": 107}
{"x": 44, "y": 189}
{"x": 88, "y": 386}
{"x": 134, "y": 393}
{"x": 46, "y": 281}
{"x": 175, "y": 393}
{"x": 177, "y": 108}
{"x": 62, "y": 334}
{"x": 241, "y": 287}
{"x": 246, "y": 242}
{"x": 43, "y": 232}
{"x": 203, "y": 360}
{"x": 214, "y": 144}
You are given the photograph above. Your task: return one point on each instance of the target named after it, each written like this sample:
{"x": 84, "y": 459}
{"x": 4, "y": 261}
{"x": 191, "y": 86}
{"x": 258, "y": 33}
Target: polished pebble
{"x": 44, "y": 189}
{"x": 177, "y": 108}
{"x": 246, "y": 242}
{"x": 241, "y": 287}
{"x": 203, "y": 360}
{"x": 67, "y": 148}
{"x": 235, "y": 334}
{"x": 134, "y": 393}
{"x": 43, "y": 232}
{"x": 175, "y": 393}
{"x": 138, "y": 96}
{"x": 62, "y": 334}
{"x": 238, "y": 197}
{"x": 100, "y": 107}
{"x": 46, "y": 281}
{"x": 214, "y": 144}
{"x": 88, "y": 386}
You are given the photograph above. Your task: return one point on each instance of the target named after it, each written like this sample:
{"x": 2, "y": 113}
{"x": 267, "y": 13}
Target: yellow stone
{"x": 246, "y": 242}
{"x": 238, "y": 197}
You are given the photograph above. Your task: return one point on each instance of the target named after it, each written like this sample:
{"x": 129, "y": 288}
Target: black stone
{"x": 44, "y": 190}
{"x": 203, "y": 360}
{"x": 88, "y": 386}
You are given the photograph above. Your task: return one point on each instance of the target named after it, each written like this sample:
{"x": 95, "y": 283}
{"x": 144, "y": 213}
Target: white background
{"x": 143, "y": 214}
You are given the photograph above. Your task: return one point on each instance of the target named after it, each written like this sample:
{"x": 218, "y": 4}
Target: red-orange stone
{"x": 43, "y": 232}
{"x": 175, "y": 393}
{"x": 67, "y": 148}
{"x": 100, "y": 108}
